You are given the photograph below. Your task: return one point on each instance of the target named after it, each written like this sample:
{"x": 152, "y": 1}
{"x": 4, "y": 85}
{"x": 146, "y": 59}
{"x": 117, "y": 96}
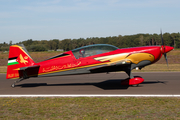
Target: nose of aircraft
{"x": 168, "y": 48}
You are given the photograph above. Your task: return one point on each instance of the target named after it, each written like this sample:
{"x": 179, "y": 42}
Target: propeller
{"x": 164, "y": 49}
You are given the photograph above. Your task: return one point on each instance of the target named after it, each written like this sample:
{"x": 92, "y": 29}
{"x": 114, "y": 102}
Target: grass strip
{"x": 3, "y": 69}
{"x": 159, "y": 67}
{"x": 86, "y": 108}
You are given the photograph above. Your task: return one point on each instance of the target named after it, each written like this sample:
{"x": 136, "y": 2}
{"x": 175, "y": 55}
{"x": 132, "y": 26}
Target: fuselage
{"x": 95, "y": 58}
{"x": 116, "y": 60}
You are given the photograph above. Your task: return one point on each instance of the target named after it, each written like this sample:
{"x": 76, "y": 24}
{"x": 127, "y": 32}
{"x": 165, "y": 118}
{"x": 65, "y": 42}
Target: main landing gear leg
{"x": 133, "y": 81}
{"x": 131, "y": 77}
{"x": 129, "y": 73}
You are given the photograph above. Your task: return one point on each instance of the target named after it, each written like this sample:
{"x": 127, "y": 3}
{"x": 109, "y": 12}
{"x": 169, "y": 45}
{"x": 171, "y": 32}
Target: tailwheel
{"x": 17, "y": 81}
{"x": 13, "y": 85}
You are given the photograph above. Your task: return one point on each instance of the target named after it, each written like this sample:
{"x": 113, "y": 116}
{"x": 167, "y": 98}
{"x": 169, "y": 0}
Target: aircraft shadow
{"x": 154, "y": 82}
{"x": 113, "y": 84}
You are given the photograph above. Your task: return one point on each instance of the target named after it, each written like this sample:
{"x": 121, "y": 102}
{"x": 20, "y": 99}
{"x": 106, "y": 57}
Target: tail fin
{"x": 18, "y": 58}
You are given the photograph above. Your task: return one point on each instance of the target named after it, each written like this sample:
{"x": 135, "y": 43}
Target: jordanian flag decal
{"x": 12, "y": 61}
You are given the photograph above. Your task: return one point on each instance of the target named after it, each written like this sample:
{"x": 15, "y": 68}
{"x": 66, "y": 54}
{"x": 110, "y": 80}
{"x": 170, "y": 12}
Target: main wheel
{"x": 13, "y": 85}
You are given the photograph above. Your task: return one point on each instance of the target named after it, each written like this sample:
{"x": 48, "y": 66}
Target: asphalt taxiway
{"x": 155, "y": 83}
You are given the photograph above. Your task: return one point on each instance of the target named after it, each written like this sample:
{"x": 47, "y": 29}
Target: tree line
{"x": 172, "y": 39}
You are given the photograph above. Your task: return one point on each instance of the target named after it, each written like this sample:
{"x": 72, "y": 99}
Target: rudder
{"x": 18, "y": 58}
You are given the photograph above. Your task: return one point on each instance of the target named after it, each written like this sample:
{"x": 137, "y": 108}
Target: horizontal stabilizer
{"x": 31, "y": 71}
{"x": 34, "y": 66}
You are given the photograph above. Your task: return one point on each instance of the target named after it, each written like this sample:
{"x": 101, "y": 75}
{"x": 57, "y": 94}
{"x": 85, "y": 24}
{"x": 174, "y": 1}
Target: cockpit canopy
{"x": 90, "y": 50}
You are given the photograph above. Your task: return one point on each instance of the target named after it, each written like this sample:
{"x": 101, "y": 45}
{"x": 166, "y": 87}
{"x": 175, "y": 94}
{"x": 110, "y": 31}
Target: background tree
{"x": 120, "y": 41}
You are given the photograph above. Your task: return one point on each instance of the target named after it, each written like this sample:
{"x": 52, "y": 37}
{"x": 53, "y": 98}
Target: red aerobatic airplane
{"x": 95, "y": 58}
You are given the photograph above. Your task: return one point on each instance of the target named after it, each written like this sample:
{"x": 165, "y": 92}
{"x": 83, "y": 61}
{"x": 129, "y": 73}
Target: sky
{"x": 21, "y": 20}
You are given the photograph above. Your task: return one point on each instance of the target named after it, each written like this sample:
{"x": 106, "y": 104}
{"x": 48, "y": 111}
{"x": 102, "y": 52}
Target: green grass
{"x": 109, "y": 108}
{"x": 3, "y": 69}
{"x": 159, "y": 67}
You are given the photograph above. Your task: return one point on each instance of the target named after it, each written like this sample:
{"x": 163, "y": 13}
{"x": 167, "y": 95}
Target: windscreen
{"x": 90, "y": 50}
